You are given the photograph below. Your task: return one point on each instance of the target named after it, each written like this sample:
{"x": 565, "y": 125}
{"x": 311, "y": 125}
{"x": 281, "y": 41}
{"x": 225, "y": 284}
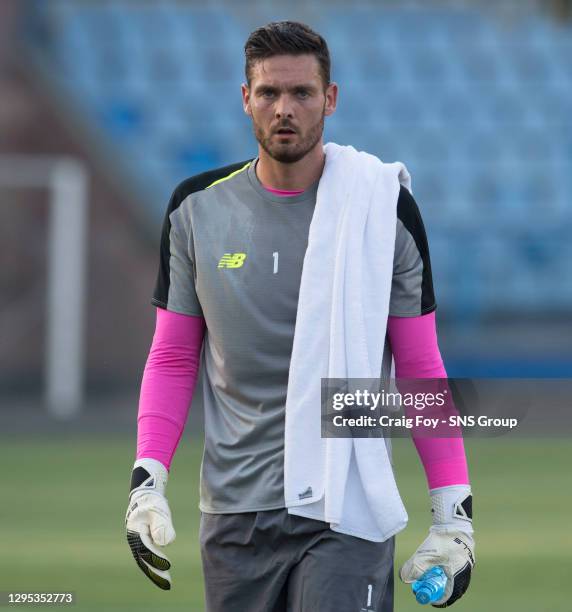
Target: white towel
{"x": 340, "y": 331}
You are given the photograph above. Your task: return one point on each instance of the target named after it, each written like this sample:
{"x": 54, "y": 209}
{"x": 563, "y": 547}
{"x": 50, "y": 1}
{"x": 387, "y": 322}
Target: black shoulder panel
{"x": 198, "y": 182}
{"x": 184, "y": 189}
{"x": 408, "y": 213}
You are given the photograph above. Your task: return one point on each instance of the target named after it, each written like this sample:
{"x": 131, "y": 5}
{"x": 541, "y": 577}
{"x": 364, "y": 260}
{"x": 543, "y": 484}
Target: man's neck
{"x": 290, "y": 177}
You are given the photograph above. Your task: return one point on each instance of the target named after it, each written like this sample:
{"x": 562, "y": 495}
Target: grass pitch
{"x": 64, "y": 501}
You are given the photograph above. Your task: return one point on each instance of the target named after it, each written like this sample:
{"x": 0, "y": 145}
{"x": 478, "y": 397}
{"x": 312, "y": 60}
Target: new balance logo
{"x": 306, "y": 493}
{"x": 232, "y": 260}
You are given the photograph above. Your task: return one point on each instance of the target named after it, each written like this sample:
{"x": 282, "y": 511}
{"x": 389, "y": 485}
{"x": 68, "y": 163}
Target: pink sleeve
{"x": 168, "y": 383}
{"x": 416, "y": 353}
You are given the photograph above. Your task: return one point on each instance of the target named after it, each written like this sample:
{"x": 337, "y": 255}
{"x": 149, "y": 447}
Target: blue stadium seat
{"x": 351, "y": 26}
{"x": 475, "y": 63}
{"x": 427, "y": 64}
{"x": 123, "y": 118}
{"x": 451, "y": 106}
{"x": 354, "y": 105}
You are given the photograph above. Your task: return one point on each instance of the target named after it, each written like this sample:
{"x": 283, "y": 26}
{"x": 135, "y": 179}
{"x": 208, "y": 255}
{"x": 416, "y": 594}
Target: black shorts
{"x": 272, "y": 561}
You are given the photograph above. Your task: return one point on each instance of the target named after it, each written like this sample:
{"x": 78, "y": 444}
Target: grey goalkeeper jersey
{"x": 232, "y": 252}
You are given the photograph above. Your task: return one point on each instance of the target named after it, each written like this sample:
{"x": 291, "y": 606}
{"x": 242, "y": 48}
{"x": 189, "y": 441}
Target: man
{"x": 232, "y": 250}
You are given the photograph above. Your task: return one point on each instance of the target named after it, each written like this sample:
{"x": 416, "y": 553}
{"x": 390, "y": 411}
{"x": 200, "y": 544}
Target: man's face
{"x": 287, "y": 103}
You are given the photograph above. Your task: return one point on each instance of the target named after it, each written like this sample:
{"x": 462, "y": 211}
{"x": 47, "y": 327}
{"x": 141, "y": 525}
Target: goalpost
{"x": 67, "y": 180}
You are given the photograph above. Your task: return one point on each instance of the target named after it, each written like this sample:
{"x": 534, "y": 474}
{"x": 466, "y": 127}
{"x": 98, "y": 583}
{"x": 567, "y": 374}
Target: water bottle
{"x": 431, "y": 586}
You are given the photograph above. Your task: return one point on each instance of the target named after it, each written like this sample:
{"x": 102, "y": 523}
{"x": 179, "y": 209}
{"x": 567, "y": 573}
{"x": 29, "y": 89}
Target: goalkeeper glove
{"x": 449, "y": 544}
{"x": 148, "y": 520}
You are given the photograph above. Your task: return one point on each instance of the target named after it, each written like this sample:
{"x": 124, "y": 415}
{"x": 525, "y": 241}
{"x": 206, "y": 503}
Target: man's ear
{"x": 246, "y": 99}
{"x": 331, "y": 98}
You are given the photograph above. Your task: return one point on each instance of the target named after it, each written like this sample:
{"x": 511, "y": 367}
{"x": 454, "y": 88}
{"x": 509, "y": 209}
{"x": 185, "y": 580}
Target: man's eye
{"x": 303, "y": 93}
{"x": 267, "y": 93}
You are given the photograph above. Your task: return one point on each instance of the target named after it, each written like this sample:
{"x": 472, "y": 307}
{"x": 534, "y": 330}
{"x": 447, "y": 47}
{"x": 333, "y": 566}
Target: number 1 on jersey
{"x": 275, "y": 255}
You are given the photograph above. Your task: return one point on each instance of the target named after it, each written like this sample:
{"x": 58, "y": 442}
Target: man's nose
{"x": 283, "y": 107}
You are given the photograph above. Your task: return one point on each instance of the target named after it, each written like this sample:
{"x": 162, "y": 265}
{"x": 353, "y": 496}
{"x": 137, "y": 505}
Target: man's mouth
{"x": 285, "y": 131}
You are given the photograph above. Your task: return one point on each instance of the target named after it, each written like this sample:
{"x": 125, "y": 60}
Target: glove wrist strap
{"x": 148, "y": 475}
{"x": 452, "y": 507}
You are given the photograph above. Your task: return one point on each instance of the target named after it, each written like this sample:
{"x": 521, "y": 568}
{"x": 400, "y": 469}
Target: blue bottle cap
{"x": 423, "y": 596}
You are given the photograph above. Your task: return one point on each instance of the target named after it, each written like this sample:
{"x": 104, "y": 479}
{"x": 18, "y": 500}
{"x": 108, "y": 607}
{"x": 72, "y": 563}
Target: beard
{"x": 290, "y": 152}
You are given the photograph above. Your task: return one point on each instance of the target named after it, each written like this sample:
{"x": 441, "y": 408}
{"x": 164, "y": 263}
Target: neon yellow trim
{"x": 225, "y": 178}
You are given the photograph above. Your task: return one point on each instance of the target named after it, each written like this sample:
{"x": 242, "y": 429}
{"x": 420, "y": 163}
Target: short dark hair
{"x": 286, "y": 38}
